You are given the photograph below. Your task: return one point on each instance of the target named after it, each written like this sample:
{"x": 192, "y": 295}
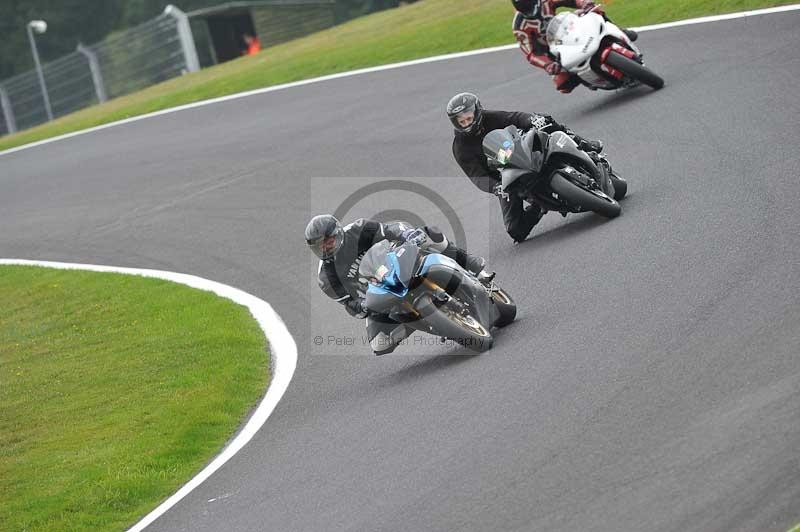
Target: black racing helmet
{"x": 324, "y": 235}
{"x": 459, "y": 107}
{"x": 528, "y": 8}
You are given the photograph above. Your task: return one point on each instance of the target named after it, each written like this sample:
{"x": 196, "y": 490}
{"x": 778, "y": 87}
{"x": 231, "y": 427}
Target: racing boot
{"x": 472, "y": 263}
{"x": 630, "y": 34}
{"x": 531, "y": 215}
{"x": 476, "y": 265}
{"x": 486, "y": 278}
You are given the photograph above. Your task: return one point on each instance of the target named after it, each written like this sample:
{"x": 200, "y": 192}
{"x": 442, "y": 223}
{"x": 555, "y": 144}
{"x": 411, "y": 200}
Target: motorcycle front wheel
{"x": 588, "y": 201}
{"x": 448, "y": 321}
{"x": 634, "y": 70}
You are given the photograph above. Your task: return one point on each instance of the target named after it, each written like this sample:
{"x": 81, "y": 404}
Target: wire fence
{"x": 142, "y": 56}
{"x": 160, "y": 49}
{"x": 124, "y": 62}
{"x": 69, "y": 85}
{"x": 280, "y": 23}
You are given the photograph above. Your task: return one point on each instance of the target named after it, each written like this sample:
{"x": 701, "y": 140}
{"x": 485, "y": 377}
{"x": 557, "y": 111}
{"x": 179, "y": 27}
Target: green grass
{"x": 422, "y": 29}
{"x": 114, "y": 391}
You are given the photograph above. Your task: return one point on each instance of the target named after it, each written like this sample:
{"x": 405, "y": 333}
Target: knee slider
{"x": 436, "y": 240}
{"x": 384, "y": 343}
{"x": 517, "y": 235}
{"x": 434, "y": 233}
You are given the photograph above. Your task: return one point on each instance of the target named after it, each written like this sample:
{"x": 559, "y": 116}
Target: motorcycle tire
{"x": 620, "y": 186}
{"x": 448, "y": 322}
{"x": 575, "y": 195}
{"x": 506, "y": 307}
{"x": 634, "y": 70}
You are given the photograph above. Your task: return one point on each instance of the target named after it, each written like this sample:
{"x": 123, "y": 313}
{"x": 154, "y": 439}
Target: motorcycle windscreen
{"x": 407, "y": 259}
{"x": 373, "y": 264}
{"x": 556, "y": 29}
{"x": 505, "y": 148}
{"x": 388, "y": 266}
{"x": 559, "y": 27}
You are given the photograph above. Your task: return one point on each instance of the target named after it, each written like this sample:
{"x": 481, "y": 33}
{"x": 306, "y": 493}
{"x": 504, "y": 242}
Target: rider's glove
{"x": 590, "y": 145}
{"x": 553, "y": 68}
{"x": 356, "y": 308}
{"x": 589, "y": 6}
{"x": 497, "y": 190}
{"x": 415, "y": 236}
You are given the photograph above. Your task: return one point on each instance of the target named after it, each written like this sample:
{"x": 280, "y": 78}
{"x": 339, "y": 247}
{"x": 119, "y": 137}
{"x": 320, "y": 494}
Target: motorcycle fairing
{"x": 456, "y": 281}
{"x": 388, "y": 268}
{"x": 574, "y": 40}
{"x": 435, "y": 259}
{"x": 561, "y": 143}
{"x": 390, "y": 280}
{"x": 443, "y": 271}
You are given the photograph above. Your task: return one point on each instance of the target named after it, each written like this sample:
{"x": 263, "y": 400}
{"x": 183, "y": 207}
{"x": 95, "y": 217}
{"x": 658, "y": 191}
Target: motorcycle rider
{"x": 530, "y": 27}
{"x": 472, "y": 122}
{"x": 341, "y": 249}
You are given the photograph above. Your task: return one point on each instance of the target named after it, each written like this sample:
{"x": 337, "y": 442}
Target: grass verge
{"x": 115, "y": 390}
{"x": 422, "y": 29}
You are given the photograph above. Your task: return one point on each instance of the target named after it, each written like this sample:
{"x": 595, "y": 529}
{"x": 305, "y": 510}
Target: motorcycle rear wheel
{"x": 634, "y": 70}
{"x": 506, "y": 307}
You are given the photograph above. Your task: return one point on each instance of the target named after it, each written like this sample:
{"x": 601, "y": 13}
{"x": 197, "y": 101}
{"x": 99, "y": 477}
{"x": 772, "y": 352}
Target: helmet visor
{"x": 529, "y": 9}
{"x": 464, "y": 119}
{"x": 326, "y": 247}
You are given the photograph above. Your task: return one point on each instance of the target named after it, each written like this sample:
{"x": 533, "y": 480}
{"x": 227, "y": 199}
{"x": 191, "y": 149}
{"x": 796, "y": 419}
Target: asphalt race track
{"x": 652, "y": 379}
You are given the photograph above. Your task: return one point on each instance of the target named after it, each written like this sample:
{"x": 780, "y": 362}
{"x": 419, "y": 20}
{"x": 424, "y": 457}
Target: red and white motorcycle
{"x": 596, "y": 50}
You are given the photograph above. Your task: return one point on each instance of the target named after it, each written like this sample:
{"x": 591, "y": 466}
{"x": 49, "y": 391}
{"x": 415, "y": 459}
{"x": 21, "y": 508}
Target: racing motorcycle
{"x": 550, "y": 171}
{"x": 597, "y": 51}
{"x": 430, "y": 292}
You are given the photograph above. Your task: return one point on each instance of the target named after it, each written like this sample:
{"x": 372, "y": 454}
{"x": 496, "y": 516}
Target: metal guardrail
{"x": 124, "y": 62}
{"x": 157, "y": 50}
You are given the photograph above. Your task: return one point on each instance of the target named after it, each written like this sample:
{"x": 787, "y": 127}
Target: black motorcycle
{"x": 430, "y": 292}
{"x": 550, "y": 171}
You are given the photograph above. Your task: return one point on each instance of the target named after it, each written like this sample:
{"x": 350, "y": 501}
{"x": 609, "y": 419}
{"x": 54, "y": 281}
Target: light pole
{"x": 39, "y": 26}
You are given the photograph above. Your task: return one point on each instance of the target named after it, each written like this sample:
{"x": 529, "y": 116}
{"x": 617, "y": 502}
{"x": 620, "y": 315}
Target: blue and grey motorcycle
{"x": 430, "y": 292}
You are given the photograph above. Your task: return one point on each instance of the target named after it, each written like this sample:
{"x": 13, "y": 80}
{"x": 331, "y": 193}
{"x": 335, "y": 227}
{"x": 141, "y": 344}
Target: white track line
{"x": 283, "y": 359}
{"x": 716, "y": 18}
{"x": 369, "y": 70}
